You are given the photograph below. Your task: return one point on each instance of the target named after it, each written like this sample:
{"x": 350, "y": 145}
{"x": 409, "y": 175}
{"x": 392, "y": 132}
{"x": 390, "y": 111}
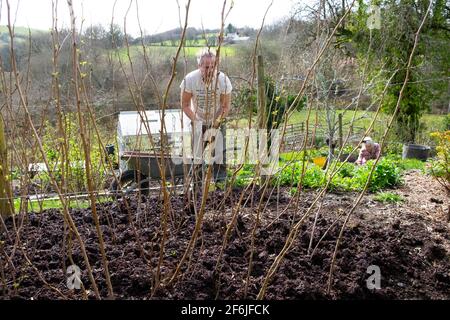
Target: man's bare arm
{"x": 186, "y": 105}
{"x": 225, "y": 100}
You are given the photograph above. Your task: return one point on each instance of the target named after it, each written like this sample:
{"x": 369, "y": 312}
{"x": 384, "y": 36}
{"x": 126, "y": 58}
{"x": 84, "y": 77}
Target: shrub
{"x": 75, "y": 164}
{"x": 386, "y": 175}
{"x": 299, "y": 104}
{"x": 447, "y": 122}
{"x": 439, "y": 168}
{"x": 347, "y": 170}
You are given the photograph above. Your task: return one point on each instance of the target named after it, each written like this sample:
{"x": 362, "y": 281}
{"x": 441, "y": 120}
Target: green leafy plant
{"x": 439, "y": 167}
{"x": 347, "y": 170}
{"x": 350, "y": 177}
{"x": 388, "y": 197}
{"x": 446, "y": 122}
{"x": 74, "y": 165}
{"x": 244, "y": 176}
{"x": 386, "y": 175}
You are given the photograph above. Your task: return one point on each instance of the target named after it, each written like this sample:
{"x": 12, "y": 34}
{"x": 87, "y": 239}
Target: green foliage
{"x": 277, "y": 102}
{"x": 350, "y": 177}
{"x": 275, "y": 106}
{"x": 439, "y": 167}
{"x": 411, "y": 164}
{"x": 74, "y": 166}
{"x": 347, "y": 170}
{"x": 390, "y": 48}
{"x": 415, "y": 102}
{"x": 308, "y": 154}
{"x": 386, "y": 175}
{"x": 245, "y": 99}
{"x": 45, "y": 204}
{"x": 353, "y": 178}
{"x": 244, "y": 176}
{"x": 430, "y": 122}
{"x": 388, "y": 197}
{"x": 230, "y": 28}
{"x": 446, "y": 122}
{"x": 313, "y": 178}
{"x": 299, "y": 105}
{"x": 406, "y": 164}
{"x": 394, "y": 148}
{"x": 15, "y": 174}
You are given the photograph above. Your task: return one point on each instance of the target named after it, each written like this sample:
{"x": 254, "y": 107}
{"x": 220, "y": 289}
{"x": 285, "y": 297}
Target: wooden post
{"x": 262, "y": 112}
{"x": 340, "y": 131}
{"x": 5, "y": 190}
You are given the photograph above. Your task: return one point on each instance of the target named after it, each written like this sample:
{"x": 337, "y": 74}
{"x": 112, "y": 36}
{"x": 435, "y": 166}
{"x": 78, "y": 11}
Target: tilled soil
{"x": 411, "y": 248}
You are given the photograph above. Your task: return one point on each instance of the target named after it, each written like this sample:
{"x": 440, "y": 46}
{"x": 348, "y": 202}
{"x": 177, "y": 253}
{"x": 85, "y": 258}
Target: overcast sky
{"x": 155, "y": 15}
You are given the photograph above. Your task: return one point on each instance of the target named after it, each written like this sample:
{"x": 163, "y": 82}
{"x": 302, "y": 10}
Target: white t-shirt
{"x": 205, "y": 102}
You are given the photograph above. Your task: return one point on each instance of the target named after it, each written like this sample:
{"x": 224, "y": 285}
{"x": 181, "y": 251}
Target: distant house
{"x": 235, "y": 37}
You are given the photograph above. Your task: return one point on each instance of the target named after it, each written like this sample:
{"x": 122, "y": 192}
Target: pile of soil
{"x": 411, "y": 247}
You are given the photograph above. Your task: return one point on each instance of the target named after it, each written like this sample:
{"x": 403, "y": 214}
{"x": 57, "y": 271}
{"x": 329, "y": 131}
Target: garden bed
{"x": 411, "y": 245}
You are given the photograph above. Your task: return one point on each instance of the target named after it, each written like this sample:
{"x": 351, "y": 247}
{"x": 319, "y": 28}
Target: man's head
{"x": 206, "y": 63}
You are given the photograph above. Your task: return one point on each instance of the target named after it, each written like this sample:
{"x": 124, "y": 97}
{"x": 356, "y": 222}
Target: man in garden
{"x": 369, "y": 150}
{"x": 205, "y": 99}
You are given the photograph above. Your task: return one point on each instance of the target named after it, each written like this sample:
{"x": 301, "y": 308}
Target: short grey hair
{"x": 205, "y": 52}
{"x": 368, "y": 140}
